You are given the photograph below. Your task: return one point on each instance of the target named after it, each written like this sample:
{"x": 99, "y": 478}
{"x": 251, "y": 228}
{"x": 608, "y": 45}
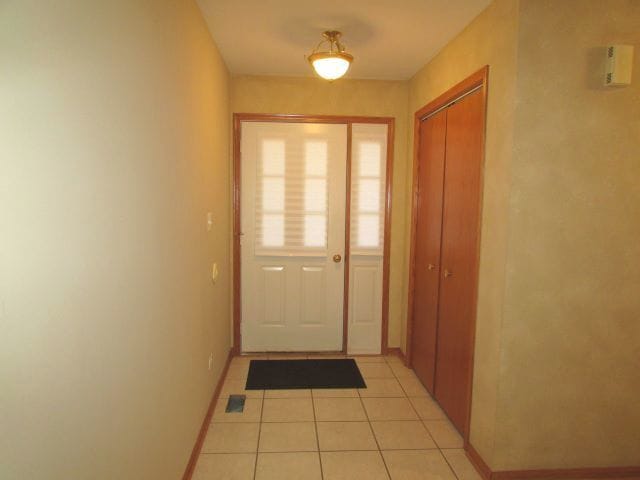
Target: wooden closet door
{"x": 458, "y": 273}
{"x": 427, "y": 246}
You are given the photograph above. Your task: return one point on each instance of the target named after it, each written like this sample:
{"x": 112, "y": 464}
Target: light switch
{"x": 209, "y": 221}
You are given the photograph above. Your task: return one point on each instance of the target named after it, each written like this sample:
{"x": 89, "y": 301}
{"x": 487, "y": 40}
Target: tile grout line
{"x": 448, "y": 464}
{"x": 334, "y": 421}
{"x": 332, "y": 451}
{"x": 315, "y": 428}
{"x": 420, "y": 419}
{"x": 423, "y": 424}
{"x": 366, "y": 414}
{"x": 255, "y": 465}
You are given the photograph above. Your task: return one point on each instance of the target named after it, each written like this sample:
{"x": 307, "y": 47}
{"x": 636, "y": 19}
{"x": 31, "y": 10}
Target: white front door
{"x": 293, "y": 194}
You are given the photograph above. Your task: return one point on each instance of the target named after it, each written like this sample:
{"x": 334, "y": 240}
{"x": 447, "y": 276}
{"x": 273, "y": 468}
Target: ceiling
{"x": 389, "y": 39}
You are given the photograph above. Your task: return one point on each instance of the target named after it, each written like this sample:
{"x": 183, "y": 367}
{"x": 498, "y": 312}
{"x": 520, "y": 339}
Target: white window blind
{"x": 368, "y": 179}
{"x": 291, "y": 193}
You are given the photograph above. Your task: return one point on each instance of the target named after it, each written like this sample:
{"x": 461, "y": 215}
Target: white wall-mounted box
{"x": 619, "y": 65}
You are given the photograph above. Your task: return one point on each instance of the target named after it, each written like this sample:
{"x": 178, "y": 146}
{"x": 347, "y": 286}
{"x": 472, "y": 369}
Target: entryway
{"x": 312, "y": 209}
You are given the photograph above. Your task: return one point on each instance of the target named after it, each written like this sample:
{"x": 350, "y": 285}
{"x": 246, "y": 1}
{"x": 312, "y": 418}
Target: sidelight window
{"x": 368, "y": 177}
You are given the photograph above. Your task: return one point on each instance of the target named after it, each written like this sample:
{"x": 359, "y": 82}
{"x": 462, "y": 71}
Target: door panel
{"x": 314, "y": 293}
{"x": 273, "y": 285}
{"x": 293, "y": 187}
{"x": 365, "y": 281}
{"x": 458, "y": 272}
{"x": 427, "y": 246}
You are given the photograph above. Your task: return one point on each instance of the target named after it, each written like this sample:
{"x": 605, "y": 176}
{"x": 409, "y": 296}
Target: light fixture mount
{"x": 333, "y": 63}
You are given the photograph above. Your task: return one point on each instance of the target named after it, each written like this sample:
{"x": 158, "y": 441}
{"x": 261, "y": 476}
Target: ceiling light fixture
{"x": 334, "y": 62}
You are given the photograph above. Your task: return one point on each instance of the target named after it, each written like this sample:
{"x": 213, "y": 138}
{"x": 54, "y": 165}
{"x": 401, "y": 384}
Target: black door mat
{"x": 296, "y": 374}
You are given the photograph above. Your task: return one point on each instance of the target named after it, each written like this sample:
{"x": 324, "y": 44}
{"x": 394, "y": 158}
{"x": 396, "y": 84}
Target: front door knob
{"x": 337, "y": 258}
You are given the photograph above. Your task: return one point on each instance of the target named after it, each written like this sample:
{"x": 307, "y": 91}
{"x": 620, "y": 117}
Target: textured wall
{"x": 490, "y": 39}
{"x": 312, "y": 96}
{"x": 570, "y": 368}
{"x": 114, "y": 126}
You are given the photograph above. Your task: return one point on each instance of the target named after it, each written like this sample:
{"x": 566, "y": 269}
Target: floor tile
{"x": 287, "y": 410}
{"x": 239, "y": 366}
{"x": 427, "y": 408}
{"x": 285, "y": 356}
{"x": 231, "y": 438}
{"x": 345, "y": 436}
{"x": 231, "y": 466}
{"x": 288, "y": 466}
{"x": 461, "y": 465}
{"x": 393, "y": 359}
{"x": 328, "y": 356}
{"x": 444, "y": 433}
{"x": 382, "y": 387}
{"x": 251, "y": 413}
{"x": 334, "y": 393}
{"x": 402, "y": 435}
{"x": 245, "y": 360}
{"x": 241, "y": 360}
{"x": 288, "y": 437}
{"x": 353, "y": 465}
{"x": 389, "y": 409}
{"x": 368, "y": 358}
{"x": 294, "y": 393}
{"x": 339, "y": 409}
{"x": 400, "y": 370}
{"x": 413, "y": 387}
{"x": 375, "y": 370}
{"x": 235, "y": 386}
{"x": 238, "y": 370}
{"x": 417, "y": 465}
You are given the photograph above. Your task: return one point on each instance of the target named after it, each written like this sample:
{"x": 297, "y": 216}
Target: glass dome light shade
{"x": 330, "y": 66}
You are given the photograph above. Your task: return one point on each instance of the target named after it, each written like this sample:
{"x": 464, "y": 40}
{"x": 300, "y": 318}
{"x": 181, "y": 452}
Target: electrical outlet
{"x": 210, "y": 361}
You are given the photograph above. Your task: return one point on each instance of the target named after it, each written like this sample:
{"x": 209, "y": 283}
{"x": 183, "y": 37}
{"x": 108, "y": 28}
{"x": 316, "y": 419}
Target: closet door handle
{"x": 447, "y": 273}
{"x": 430, "y": 266}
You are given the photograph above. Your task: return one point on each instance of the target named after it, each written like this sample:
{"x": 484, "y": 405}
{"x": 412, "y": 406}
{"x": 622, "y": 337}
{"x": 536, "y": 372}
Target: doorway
{"x": 449, "y": 150}
{"x": 311, "y": 230}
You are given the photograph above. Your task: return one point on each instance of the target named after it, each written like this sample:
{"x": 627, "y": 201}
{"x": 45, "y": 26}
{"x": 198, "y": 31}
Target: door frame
{"x": 238, "y": 118}
{"x": 466, "y": 86}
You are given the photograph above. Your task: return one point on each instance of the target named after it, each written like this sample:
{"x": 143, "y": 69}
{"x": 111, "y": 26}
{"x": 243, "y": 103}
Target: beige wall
{"x": 557, "y": 354}
{"x": 312, "y": 96}
{"x": 114, "y": 126}
{"x": 570, "y": 360}
{"x": 490, "y": 39}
